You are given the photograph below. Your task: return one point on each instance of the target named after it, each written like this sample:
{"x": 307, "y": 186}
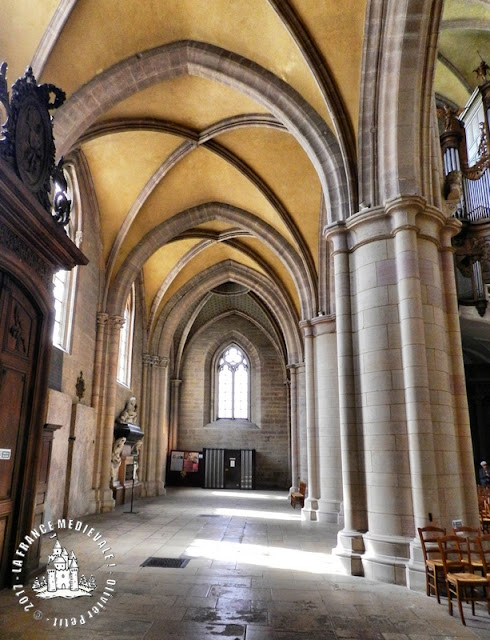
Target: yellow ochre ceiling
{"x": 177, "y": 145}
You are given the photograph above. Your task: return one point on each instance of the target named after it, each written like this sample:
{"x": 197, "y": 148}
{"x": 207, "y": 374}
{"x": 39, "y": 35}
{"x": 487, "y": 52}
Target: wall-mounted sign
{"x": 5, "y": 454}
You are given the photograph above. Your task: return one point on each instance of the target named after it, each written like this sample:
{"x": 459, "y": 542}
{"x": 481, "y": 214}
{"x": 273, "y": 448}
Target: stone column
{"x": 394, "y": 378}
{"x": 144, "y": 462}
{"x": 350, "y": 545}
{"x": 98, "y": 364}
{"x": 174, "y": 412}
{"x": 327, "y": 418}
{"x": 293, "y": 399}
{"x": 459, "y": 497}
{"x": 114, "y": 324}
{"x": 155, "y": 445}
{"x": 302, "y": 456}
{"x": 310, "y": 510}
{"x": 162, "y": 423}
{"x": 98, "y": 395}
{"x": 408, "y": 366}
{"x": 457, "y": 381}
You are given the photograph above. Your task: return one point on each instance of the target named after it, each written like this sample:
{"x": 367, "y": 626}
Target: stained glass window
{"x": 233, "y": 384}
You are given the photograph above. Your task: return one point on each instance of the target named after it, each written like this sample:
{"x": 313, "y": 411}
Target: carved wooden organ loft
{"x": 466, "y": 159}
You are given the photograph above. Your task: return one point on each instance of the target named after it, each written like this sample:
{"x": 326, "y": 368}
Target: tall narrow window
{"x": 126, "y": 342}
{"x": 65, "y": 281}
{"x": 233, "y": 384}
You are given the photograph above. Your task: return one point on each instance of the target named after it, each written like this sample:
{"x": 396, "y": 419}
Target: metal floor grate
{"x": 166, "y": 563}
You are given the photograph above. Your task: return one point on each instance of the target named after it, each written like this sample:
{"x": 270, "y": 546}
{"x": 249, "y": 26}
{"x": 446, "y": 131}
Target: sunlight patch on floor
{"x": 248, "y": 494}
{"x": 253, "y": 513}
{"x": 265, "y": 556}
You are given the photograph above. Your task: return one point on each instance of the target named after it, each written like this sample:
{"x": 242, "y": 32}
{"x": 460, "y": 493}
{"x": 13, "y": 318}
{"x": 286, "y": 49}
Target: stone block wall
{"x": 268, "y": 431}
{"x": 59, "y": 413}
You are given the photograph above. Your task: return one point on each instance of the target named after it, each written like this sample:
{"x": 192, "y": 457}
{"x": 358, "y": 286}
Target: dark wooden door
{"x": 18, "y": 349}
{"x": 232, "y": 468}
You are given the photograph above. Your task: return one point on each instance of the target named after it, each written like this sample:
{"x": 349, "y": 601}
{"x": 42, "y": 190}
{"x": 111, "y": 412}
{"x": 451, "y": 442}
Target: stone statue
{"x": 117, "y": 448}
{"x": 482, "y": 71}
{"x": 450, "y": 117}
{"x": 136, "y": 452}
{"x": 129, "y": 415}
{"x": 482, "y": 143}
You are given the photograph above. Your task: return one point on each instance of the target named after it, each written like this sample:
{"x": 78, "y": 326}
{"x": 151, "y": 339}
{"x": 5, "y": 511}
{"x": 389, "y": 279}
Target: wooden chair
{"x": 461, "y": 582}
{"x": 471, "y": 533}
{"x": 298, "y": 497}
{"x": 434, "y": 570}
{"x": 484, "y": 508}
{"x": 483, "y": 544}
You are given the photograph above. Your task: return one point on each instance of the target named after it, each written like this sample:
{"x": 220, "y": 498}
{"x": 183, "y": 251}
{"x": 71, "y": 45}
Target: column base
{"x": 416, "y": 568}
{"x": 310, "y": 510}
{"x": 107, "y": 502}
{"x": 161, "y": 491}
{"x": 153, "y": 488}
{"x": 93, "y": 505}
{"x": 330, "y": 511}
{"x": 386, "y": 558}
{"x": 349, "y": 550}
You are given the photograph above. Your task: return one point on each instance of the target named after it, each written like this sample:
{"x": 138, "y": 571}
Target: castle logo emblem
{"x": 63, "y": 579}
{"x": 60, "y": 589}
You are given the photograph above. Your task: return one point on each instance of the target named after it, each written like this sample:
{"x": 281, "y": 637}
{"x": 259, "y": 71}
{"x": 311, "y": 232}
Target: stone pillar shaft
{"x": 154, "y": 388}
{"x": 114, "y": 328}
{"x": 350, "y": 545}
{"x": 295, "y": 479}
{"x": 162, "y": 425}
{"x": 327, "y": 418}
{"x": 415, "y": 379}
{"x": 174, "y": 412}
{"x": 98, "y": 394}
{"x": 313, "y": 486}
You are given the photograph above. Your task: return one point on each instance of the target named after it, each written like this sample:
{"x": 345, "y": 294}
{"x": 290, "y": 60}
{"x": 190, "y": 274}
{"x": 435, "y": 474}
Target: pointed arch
{"x": 397, "y": 100}
{"x": 197, "y": 287}
{"x": 209, "y": 61}
{"x": 194, "y": 216}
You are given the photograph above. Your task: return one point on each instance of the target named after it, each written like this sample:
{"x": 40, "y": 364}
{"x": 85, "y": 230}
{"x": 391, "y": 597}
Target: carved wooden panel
{"x": 18, "y": 321}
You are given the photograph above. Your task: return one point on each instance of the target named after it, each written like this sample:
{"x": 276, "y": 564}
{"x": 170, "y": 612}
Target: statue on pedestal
{"x": 136, "y": 452}
{"x": 129, "y": 415}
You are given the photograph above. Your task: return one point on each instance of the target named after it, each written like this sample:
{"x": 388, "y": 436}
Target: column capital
{"x": 116, "y": 322}
{"x": 307, "y": 328}
{"x": 155, "y": 360}
{"x": 337, "y": 234}
{"x": 323, "y": 324}
{"x": 102, "y": 318}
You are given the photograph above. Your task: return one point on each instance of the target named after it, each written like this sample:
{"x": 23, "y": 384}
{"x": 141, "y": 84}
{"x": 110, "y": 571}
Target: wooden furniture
{"x": 484, "y": 508}
{"x": 33, "y": 246}
{"x": 434, "y": 570}
{"x": 298, "y": 497}
{"x": 461, "y": 581}
{"x": 483, "y": 544}
{"x": 471, "y": 533}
